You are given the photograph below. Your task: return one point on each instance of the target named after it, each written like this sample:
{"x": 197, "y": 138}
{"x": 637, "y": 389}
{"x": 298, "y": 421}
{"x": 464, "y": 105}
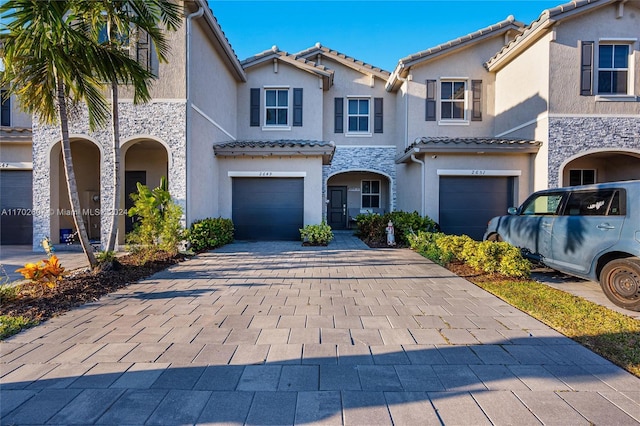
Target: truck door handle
{"x": 605, "y": 226}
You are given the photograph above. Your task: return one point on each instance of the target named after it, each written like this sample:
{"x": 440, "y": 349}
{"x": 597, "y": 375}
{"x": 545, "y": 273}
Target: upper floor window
{"x": 276, "y": 107}
{"x": 358, "y": 115}
{"x": 370, "y": 194}
{"x": 613, "y": 69}
{"x": 453, "y": 100}
{"x": 5, "y": 110}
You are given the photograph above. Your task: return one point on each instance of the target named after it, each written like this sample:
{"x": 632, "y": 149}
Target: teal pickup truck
{"x": 590, "y": 231}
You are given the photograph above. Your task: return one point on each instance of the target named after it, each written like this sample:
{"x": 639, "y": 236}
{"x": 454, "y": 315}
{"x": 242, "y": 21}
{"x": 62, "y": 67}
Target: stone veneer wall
{"x": 570, "y": 136}
{"x": 362, "y": 158}
{"x": 162, "y": 121}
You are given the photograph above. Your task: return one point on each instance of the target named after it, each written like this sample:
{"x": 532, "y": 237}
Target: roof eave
{"x": 325, "y": 151}
{"x": 353, "y": 64}
{"x": 451, "y": 148}
{"x": 502, "y": 59}
{"x": 230, "y": 57}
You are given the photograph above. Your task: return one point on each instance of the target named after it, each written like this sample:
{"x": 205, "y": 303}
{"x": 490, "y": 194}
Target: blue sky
{"x": 377, "y": 32}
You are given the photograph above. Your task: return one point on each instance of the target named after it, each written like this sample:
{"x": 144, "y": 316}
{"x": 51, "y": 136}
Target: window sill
{"x": 276, "y": 128}
{"x": 616, "y": 98}
{"x": 358, "y": 135}
{"x": 453, "y": 122}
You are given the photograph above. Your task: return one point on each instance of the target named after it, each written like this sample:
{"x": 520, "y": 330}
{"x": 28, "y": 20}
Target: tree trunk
{"x": 114, "y": 214}
{"x": 71, "y": 177}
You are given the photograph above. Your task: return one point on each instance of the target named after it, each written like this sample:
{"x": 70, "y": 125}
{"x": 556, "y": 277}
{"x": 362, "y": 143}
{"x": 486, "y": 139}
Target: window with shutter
{"x": 430, "y": 104}
{"x": 377, "y": 115}
{"x": 586, "y": 69}
{"x": 254, "y": 108}
{"x": 338, "y": 122}
{"x": 5, "y": 110}
{"x": 297, "y": 107}
{"x": 476, "y": 107}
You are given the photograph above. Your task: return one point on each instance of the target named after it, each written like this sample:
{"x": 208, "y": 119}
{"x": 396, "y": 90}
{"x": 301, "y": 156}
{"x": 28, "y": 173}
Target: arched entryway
{"x": 600, "y": 166}
{"x": 146, "y": 161}
{"x": 87, "y": 158}
{"x": 353, "y": 192}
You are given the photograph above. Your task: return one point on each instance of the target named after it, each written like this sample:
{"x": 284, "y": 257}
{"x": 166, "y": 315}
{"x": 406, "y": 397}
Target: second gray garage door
{"x": 268, "y": 208}
{"x": 467, "y": 203}
{"x": 16, "y": 222}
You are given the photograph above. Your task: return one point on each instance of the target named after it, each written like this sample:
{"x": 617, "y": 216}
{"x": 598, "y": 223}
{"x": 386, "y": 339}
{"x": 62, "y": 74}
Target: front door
{"x": 337, "y": 207}
{"x": 131, "y": 179}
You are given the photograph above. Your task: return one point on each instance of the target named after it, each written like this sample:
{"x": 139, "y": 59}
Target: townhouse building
{"x": 458, "y": 132}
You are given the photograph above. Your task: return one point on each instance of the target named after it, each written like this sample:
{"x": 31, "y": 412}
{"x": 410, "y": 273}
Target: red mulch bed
{"x": 81, "y": 287}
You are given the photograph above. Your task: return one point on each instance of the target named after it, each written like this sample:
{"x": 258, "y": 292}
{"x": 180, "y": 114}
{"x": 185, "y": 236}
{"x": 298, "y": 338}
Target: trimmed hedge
{"x": 210, "y": 233}
{"x": 371, "y": 227}
{"x": 486, "y": 256}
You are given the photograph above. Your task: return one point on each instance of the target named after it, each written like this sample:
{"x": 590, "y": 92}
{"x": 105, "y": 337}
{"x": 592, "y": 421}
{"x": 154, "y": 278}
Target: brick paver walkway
{"x": 276, "y": 333}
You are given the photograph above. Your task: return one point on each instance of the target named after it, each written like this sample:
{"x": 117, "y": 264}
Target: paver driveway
{"x": 276, "y": 333}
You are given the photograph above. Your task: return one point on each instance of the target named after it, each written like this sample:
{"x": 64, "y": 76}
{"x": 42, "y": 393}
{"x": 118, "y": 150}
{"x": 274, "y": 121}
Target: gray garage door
{"x": 16, "y": 191}
{"x": 467, "y": 203}
{"x": 268, "y": 208}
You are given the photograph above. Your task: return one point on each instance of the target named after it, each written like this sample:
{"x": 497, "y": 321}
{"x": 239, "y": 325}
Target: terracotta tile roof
{"x": 402, "y": 69}
{"x": 507, "y": 24}
{"x": 15, "y": 134}
{"x": 280, "y": 143}
{"x": 295, "y": 60}
{"x": 473, "y": 145}
{"x": 270, "y": 148}
{"x": 356, "y": 64}
{"x": 535, "y": 29}
{"x": 274, "y": 52}
{"x": 231, "y": 57}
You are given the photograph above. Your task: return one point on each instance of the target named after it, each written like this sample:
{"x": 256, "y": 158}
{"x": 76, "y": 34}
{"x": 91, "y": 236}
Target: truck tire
{"x": 620, "y": 282}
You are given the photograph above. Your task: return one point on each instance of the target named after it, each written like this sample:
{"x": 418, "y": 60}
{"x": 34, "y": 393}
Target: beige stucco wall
{"x": 311, "y": 166}
{"x": 170, "y": 83}
{"x": 11, "y": 152}
{"x": 348, "y": 82}
{"x": 287, "y": 76}
{"x": 464, "y": 64}
{"x": 212, "y": 119}
{"x": 18, "y": 117}
{"x": 522, "y": 90}
{"x": 565, "y": 55}
{"x": 409, "y": 196}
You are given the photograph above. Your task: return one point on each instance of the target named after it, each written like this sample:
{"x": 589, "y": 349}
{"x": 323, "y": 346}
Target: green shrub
{"x": 11, "y": 325}
{"x": 486, "y": 256}
{"x": 371, "y": 227}
{"x": 159, "y": 226}
{"x": 426, "y": 243}
{"x": 317, "y": 235}
{"x": 210, "y": 233}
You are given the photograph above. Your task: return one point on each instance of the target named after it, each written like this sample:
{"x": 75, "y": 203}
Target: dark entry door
{"x": 131, "y": 179}
{"x": 337, "y": 207}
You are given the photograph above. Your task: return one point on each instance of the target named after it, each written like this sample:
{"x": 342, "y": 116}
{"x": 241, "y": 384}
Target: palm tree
{"x": 119, "y": 21}
{"x": 48, "y": 66}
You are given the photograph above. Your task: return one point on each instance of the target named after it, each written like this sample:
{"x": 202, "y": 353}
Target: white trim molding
{"x": 266, "y": 174}
{"x": 478, "y": 172}
{"x": 212, "y": 121}
{"x": 16, "y": 165}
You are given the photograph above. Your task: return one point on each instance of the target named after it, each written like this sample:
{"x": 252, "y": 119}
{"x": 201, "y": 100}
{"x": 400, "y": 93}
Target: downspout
{"x": 191, "y": 16}
{"x": 406, "y": 144}
{"x": 422, "y": 185}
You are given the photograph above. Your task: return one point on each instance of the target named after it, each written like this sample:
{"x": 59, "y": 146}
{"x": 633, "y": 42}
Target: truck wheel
{"x": 620, "y": 282}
